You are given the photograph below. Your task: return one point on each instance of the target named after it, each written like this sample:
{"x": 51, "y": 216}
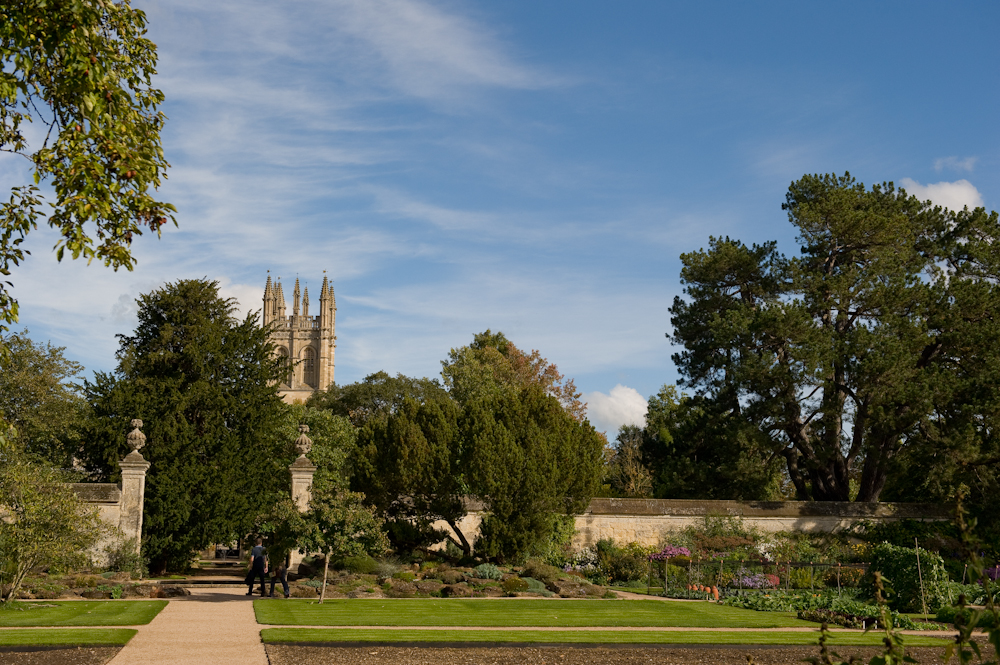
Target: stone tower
{"x": 306, "y": 343}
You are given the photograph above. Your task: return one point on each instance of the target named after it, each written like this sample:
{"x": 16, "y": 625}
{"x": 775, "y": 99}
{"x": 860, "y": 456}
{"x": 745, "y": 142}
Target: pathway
{"x": 210, "y": 625}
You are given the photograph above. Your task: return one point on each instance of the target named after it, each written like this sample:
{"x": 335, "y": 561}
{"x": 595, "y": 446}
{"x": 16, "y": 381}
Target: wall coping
{"x": 696, "y": 508}
{"x": 98, "y": 492}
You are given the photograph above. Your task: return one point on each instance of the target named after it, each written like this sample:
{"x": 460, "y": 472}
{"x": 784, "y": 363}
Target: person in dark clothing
{"x": 280, "y": 574}
{"x": 257, "y": 567}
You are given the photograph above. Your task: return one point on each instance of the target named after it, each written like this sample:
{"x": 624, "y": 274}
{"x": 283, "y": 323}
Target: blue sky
{"x": 531, "y": 167}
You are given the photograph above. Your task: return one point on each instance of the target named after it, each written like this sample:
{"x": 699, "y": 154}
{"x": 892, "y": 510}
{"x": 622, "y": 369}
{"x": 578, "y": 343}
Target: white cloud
{"x": 623, "y": 406}
{"x": 955, "y": 164}
{"x": 429, "y": 52}
{"x": 954, "y": 195}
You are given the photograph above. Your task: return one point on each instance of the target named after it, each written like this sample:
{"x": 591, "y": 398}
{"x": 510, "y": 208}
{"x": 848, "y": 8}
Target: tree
{"x": 842, "y": 359}
{"x": 376, "y": 396}
{"x": 338, "y": 524}
{"x": 334, "y": 440}
{"x": 82, "y": 70}
{"x": 627, "y": 473}
{"x": 203, "y": 383}
{"x": 530, "y": 462}
{"x": 695, "y": 450}
{"x": 411, "y": 467}
{"x": 492, "y": 363}
{"x": 42, "y": 522}
{"x": 39, "y": 400}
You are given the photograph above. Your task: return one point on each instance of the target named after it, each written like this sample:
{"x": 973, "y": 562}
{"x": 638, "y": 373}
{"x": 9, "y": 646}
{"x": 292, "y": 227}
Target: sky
{"x": 531, "y": 167}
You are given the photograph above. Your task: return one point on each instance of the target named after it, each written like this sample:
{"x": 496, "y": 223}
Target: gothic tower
{"x": 306, "y": 343}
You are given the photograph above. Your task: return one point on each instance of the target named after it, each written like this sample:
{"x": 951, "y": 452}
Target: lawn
{"x": 66, "y": 637}
{"x": 515, "y": 612}
{"x": 285, "y": 635}
{"x": 81, "y": 613}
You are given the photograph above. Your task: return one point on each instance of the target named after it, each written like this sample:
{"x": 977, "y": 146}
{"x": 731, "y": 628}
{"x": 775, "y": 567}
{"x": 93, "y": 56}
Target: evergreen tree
{"x": 410, "y": 465}
{"x": 203, "y": 382}
{"x": 530, "y": 462}
{"x": 882, "y": 335}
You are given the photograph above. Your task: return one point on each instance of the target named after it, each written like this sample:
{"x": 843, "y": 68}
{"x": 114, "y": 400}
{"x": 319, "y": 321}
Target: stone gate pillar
{"x": 134, "y": 468}
{"x": 302, "y": 471}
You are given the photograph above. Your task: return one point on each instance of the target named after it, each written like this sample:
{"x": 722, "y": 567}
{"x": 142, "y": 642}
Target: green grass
{"x": 66, "y": 637}
{"x": 511, "y": 612}
{"x": 81, "y": 613}
{"x": 284, "y": 635}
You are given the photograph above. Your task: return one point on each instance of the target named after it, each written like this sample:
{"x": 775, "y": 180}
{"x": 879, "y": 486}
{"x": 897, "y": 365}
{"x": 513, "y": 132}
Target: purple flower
{"x": 669, "y": 552}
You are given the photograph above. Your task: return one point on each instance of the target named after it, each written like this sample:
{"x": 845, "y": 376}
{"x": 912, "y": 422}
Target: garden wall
{"x": 645, "y": 520}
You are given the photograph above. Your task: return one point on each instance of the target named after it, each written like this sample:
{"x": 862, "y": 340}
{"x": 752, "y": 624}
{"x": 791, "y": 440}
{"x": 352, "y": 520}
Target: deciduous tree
{"x": 81, "y": 72}
{"x": 38, "y": 398}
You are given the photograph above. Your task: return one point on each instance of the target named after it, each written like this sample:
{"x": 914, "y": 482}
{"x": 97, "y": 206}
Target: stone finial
{"x": 135, "y": 438}
{"x": 303, "y": 444}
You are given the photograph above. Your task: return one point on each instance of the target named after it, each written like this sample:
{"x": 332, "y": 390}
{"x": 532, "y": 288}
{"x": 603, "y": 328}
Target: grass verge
{"x": 292, "y": 635}
{"x": 515, "y": 612}
{"x": 81, "y": 613}
{"x": 66, "y": 637}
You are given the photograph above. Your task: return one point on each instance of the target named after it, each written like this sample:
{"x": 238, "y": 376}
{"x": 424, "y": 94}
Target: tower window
{"x": 283, "y": 359}
{"x": 309, "y": 366}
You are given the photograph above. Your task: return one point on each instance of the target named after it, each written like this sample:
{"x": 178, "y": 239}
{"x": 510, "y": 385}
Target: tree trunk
{"x": 466, "y": 547}
{"x": 326, "y": 573}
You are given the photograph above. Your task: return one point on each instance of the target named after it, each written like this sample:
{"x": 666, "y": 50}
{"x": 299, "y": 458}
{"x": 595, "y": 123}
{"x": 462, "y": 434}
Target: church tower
{"x": 305, "y": 343}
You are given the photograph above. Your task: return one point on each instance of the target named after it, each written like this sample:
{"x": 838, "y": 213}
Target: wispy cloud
{"x": 954, "y": 195}
{"x": 955, "y": 164}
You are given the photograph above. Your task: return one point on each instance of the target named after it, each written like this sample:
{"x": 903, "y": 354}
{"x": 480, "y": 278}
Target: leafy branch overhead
{"x": 76, "y": 101}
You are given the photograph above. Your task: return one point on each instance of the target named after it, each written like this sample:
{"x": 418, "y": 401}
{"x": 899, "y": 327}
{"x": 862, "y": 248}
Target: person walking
{"x": 257, "y": 567}
{"x": 280, "y": 574}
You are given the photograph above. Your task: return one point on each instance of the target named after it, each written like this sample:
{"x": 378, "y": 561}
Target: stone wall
{"x": 645, "y": 521}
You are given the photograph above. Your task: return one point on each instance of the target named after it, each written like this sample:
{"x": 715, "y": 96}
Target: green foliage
{"x": 43, "y": 522}
{"x": 410, "y": 466}
{"x": 122, "y": 555}
{"x": 487, "y": 571}
{"x": 514, "y": 585}
{"x": 849, "y": 577}
{"x": 802, "y": 578}
{"x": 334, "y": 441}
{"x": 203, "y": 383}
{"x": 880, "y": 335}
{"x": 82, "y": 71}
{"x": 627, "y": 473}
{"x": 621, "y": 564}
{"x": 543, "y": 572}
{"x": 532, "y": 461}
{"x": 696, "y": 450}
{"x": 954, "y": 614}
{"x": 378, "y": 395}
{"x": 38, "y": 398}
{"x": 359, "y": 565}
{"x": 778, "y": 601}
{"x": 898, "y": 566}
{"x": 557, "y": 549}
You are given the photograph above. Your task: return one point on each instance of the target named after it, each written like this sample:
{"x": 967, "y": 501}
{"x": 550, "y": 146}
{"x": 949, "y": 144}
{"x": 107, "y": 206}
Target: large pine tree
{"x": 203, "y": 383}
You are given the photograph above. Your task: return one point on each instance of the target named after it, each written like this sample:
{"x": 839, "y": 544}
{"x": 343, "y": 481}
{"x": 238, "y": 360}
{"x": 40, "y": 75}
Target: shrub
{"x": 385, "y": 569}
{"x": 487, "y": 571}
{"x": 514, "y": 585}
{"x": 122, "y": 556}
{"x": 619, "y": 564}
{"x": 542, "y": 572}
{"x": 404, "y": 575}
{"x": 849, "y": 577}
{"x": 535, "y": 586}
{"x": 898, "y": 566}
{"x": 949, "y": 614}
{"x": 801, "y": 578}
{"x": 360, "y": 565}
